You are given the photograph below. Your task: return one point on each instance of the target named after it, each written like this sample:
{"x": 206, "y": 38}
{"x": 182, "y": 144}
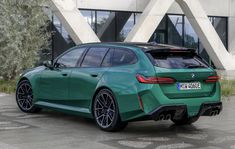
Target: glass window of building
{"x": 90, "y": 17}
{"x": 190, "y": 37}
{"x": 110, "y": 25}
{"x": 220, "y": 24}
{"x": 175, "y": 29}
{"x": 61, "y": 40}
{"x": 58, "y": 25}
{"x": 102, "y": 17}
{"x": 106, "y": 26}
{"x": 125, "y": 22}
{"x": 160, "y": 34}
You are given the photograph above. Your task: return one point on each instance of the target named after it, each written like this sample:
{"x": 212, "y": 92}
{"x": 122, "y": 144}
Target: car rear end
{"x": 183, "y": 84}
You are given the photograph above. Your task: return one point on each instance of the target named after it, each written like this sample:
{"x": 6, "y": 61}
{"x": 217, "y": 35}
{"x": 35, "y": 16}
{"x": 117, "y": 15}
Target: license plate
{"x": 189, "y": 86}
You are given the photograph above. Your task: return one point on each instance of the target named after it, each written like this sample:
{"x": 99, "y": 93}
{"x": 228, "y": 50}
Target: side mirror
{"x": 48, "y": 64}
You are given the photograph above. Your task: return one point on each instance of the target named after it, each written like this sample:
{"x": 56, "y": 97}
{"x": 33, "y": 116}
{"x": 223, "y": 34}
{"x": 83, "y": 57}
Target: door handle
{"x": 94, "y": 75}
{"x": 64, "y": 74}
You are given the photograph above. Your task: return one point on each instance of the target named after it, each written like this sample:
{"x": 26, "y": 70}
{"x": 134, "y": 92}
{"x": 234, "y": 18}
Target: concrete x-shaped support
{"x": 81, "y": 32}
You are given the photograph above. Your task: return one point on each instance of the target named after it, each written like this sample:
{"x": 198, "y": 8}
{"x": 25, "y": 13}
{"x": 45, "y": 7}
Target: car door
{"x": 83, "y": 81}
{"x": 54, "y": 82}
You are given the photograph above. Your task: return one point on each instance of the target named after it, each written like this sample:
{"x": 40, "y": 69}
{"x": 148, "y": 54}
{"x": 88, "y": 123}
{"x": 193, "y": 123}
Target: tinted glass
{"x": 107, "y": 60}
{"x": 175, "y": 29}
{"x": 177, "y": 61}
{"x": 123, "y": 57}
{"x": 90, "y": 17}
{"x": 71, "y": 58}
{"x": 94, "y": 57}
{"x": 125, "y": 21}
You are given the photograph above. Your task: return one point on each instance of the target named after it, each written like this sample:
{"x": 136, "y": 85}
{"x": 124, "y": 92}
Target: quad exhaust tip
{"x": 164, "y": 117}
{"x": 161, "y": 117}
{"x": 214, "y": 112}
{"x": 168, "y": 116}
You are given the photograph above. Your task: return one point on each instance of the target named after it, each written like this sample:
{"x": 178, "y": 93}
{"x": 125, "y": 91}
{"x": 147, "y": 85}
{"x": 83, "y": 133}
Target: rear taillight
{"x": 154, "y": 80}
{"x": 212, "y": 79}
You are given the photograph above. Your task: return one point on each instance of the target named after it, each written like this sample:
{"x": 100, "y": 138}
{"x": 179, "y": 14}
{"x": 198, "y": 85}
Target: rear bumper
{"x": 175, "y": 111}
{"x": 210, "y": 109}
{"x": 178, "y": 111}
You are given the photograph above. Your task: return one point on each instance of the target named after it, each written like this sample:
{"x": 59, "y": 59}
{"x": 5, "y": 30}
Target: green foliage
{"x": 8, "y": 87}
{"x": 23, "y": 34}
{"x": 228, "y": 87}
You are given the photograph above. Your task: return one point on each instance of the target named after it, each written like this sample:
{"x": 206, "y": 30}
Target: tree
{"x": 23, "y": 34}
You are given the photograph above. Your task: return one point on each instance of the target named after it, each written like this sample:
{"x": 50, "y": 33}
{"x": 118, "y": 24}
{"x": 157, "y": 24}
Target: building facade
{"x": 205, "y": 25}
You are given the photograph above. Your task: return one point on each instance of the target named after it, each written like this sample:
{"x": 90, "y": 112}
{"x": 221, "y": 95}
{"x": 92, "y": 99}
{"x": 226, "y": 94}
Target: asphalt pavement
{"x": 55, "y": 130}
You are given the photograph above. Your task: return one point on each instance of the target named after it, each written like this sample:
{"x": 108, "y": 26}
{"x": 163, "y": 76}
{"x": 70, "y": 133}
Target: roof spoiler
{"x": 164, "y": 50}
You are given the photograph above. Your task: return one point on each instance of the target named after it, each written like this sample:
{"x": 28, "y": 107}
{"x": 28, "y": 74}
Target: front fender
{"x": 33, "y": 76}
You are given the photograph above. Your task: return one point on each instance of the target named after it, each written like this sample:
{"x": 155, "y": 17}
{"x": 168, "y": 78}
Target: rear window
{"x": 177, "y": 60}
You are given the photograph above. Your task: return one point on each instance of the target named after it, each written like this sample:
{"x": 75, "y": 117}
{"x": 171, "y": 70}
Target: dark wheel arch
{"x": 117, "y": 123}
{"x": 23, "y": 79}
{"x": 33, "y": 109}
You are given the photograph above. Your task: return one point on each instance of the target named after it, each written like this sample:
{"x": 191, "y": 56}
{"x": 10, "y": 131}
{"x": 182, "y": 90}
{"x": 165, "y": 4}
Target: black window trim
{"x": 111, "y": 62}
{"x": 87, "y": 48}
{"x": 109, "y": 49}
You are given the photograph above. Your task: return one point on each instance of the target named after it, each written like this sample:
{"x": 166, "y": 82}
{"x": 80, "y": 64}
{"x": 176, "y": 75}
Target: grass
{"x": 228, "y": 87}
{"x": 7, "y": 87}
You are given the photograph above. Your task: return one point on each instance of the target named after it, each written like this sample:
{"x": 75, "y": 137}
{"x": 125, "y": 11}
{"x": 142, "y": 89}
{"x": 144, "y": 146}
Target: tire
{"x": 24, "y": 97}
{"x": 106, "y": 113}
{"x": 185, "y": 120}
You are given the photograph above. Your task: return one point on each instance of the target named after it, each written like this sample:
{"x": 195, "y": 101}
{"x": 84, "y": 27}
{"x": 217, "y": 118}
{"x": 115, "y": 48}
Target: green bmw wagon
{"x": 116, "y": 83}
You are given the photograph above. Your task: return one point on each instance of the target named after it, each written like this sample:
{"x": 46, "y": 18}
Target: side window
{"x": 70, "y": 59}
{"x": 123, "y": 57}
{"x": 94, "y": 57}
{"x": 107, "y": 62}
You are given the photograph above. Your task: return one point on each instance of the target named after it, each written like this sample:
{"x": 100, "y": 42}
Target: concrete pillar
{"x": 73, "y": 21}
{"x": 149, "y": 20}
{"x": 207, "y": 34}
{"x": 231, "y": 35}
{"x": 231, "y": 28}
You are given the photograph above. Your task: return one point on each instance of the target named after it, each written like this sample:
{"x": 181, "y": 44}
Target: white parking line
{"x": 2, "y": 94}
{"x": 135, "y": 144}
{"x": 175, "y": 146}
{"x": 14, "y": 128}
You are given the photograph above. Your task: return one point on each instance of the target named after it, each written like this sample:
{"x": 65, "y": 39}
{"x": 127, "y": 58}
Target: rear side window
{"x": 177, "y": 60}
{"x": 94, "y": 57}
{"x": 123, "y": 57}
